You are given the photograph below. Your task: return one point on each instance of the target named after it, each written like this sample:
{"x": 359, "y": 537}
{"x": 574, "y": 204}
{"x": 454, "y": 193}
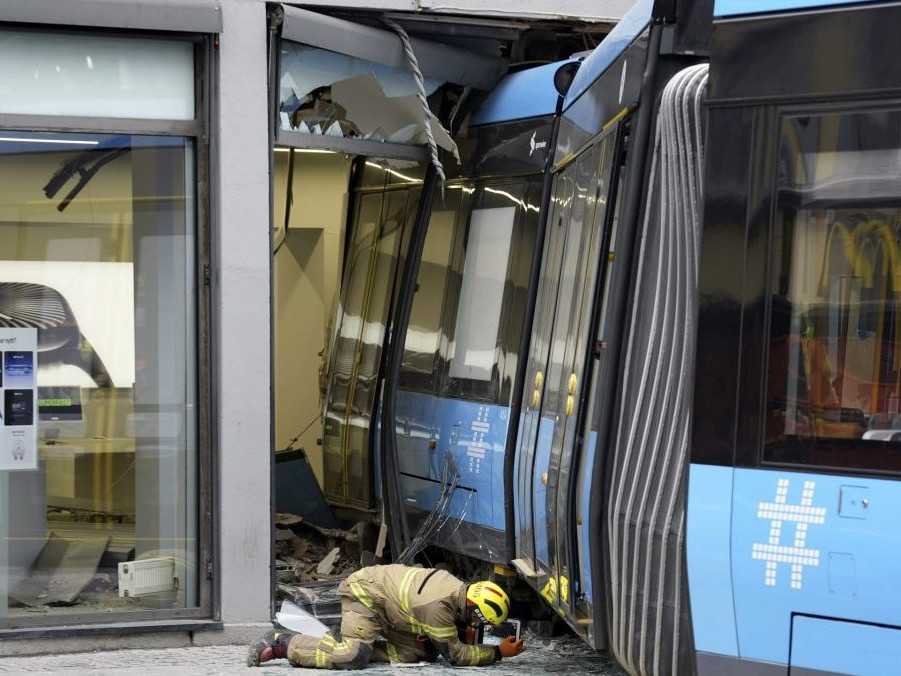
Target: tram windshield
{"x": 834, "y": 370}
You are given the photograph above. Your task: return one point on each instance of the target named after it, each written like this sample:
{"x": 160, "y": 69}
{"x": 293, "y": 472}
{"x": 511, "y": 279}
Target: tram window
{"x": 834, "y": 368}
{"x": 482, "y": 292}
{"x": 486, "y": 291}
{"x": 424, "y": 334}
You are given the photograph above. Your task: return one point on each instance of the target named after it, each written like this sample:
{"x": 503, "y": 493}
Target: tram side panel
{"x": 802, "y": 473}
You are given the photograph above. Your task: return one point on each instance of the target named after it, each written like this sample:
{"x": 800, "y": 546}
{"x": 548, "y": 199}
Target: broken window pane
{"x": 330, "y": 94}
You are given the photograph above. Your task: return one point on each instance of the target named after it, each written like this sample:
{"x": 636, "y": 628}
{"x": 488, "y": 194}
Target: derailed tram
{"x": 650, "y": 327}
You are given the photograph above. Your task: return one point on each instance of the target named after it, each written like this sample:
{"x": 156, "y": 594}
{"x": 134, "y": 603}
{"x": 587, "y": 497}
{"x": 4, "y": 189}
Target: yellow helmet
{"x": 491, "y": 603}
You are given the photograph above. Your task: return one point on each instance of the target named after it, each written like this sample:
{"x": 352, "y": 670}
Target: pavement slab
{"x": 542, "y": 656}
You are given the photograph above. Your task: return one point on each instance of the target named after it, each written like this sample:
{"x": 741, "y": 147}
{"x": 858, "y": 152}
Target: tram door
{"x": 559, "y": 349}
{"x": 535, "y": 429}
{"x": 375, "y": 254}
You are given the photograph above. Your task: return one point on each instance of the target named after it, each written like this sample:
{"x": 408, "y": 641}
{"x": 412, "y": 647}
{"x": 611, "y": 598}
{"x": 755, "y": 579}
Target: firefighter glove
{"x": 510, "y": 647}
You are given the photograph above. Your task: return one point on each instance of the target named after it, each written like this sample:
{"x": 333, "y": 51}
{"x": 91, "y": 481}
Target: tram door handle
{"x": 536, "y": 393}
{"x": 571, "y": 394}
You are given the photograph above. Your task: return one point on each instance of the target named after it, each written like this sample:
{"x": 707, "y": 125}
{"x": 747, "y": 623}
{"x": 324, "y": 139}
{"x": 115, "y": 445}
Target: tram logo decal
{"x": 798, "y": 554}
{"x": 536, "y": 145}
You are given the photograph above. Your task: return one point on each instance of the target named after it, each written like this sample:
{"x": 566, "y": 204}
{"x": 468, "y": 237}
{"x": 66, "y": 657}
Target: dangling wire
{"x": 413, "y": 64}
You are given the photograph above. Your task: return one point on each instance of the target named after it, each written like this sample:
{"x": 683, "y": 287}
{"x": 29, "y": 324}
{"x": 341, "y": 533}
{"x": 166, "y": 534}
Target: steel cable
{"x": 413, "y": 64}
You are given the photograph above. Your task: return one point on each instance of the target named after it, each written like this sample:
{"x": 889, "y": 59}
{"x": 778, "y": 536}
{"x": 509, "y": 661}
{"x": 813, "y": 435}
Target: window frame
{"x": 206, "y": 614}
{"x": 818, "y": 455}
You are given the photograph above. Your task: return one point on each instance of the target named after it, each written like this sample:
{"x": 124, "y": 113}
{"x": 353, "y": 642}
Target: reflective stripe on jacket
{"x": 422, "y": 601}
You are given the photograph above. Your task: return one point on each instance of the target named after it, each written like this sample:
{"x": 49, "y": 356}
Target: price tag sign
{"x": 18, "y": 394}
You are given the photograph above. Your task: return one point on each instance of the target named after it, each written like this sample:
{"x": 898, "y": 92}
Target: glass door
{"x": 562, "y": 386}
{"x": 533, "y": 428}
{"x": 370, "y": 275}
{"x": 553, "y": 390}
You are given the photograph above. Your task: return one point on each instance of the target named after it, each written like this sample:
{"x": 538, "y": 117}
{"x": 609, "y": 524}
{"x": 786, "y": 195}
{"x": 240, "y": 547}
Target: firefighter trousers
{"x": 359, "y": 643}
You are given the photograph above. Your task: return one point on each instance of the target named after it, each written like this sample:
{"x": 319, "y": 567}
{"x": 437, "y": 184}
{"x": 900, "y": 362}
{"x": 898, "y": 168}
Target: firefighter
{"x": 398, "y": 613}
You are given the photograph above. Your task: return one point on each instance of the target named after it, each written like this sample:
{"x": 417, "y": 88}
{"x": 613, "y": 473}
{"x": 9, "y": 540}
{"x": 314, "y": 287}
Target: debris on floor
{"x": 287, "y": 520}
{"x": 310, "y": 562}
{"x": 328, "y": 563}
{"x": 62, "y": 570}
{"x": 307, "y": 553}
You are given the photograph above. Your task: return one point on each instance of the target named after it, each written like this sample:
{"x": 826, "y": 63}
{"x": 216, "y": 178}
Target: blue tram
{"x": 793, "y": 486}
{"x": 653, "y": 323}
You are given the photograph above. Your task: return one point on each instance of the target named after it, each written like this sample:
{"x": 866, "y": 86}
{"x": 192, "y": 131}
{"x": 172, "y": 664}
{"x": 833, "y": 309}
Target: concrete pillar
{"x": 241, "y": 278}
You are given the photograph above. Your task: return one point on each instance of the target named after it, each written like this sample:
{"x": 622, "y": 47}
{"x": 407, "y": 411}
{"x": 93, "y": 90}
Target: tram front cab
{"x": 461, "y": 364}
{"x": 793, "y": 543}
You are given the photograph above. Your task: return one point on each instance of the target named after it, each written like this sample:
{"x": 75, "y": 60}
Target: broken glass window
{"x": 330, "y": 94}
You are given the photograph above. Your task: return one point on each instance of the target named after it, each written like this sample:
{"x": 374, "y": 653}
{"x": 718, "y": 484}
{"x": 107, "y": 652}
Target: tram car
{"x": 652, "y": 321}
{"x": 793, "y": 483}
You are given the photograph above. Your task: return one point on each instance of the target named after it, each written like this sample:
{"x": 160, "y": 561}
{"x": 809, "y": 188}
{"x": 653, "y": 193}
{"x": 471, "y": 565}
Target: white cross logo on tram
{"x": 797, "y": 555}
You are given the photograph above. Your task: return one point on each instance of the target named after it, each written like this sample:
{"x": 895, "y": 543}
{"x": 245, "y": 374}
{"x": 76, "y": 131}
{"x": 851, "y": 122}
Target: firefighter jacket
{"x": 422, "y": 602}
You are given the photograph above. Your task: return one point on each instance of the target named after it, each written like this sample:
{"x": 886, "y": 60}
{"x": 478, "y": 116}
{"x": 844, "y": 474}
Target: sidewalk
{"x": 541, "y": 657}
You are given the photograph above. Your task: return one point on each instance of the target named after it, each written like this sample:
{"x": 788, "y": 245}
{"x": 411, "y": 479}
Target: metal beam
{"x": 607, "y": 11}
{"x": 437, "y": 61}
{"x": 352, "y": 146}
{"x": 193, "y": 16}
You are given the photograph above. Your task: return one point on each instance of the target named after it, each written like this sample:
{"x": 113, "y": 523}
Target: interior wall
{"x": 307, "y": 276}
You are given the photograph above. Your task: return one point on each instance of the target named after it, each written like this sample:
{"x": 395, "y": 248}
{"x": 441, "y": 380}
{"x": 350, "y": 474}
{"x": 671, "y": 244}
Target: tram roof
{"x": 521, "y": 95}
{"x": 727, "y": 8}
{"x": 616, "y": 42}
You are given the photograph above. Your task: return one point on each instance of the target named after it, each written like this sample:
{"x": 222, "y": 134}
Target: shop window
{"x": 834, "y": 373}
{"x": 99, "y": 76}
{"x": 103, "y": 443}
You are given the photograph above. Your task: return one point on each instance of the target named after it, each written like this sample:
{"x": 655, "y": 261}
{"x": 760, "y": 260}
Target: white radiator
{"x": 147, "y": 576}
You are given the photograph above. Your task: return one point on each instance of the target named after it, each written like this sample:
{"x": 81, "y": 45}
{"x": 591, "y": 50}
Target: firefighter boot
{"x": 272, "y": 646}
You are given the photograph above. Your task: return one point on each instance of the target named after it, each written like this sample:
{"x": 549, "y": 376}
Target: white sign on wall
{"x": 18, "y": 399}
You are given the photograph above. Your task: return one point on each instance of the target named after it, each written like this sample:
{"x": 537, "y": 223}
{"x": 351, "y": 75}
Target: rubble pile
{"x": 310, "y": 561}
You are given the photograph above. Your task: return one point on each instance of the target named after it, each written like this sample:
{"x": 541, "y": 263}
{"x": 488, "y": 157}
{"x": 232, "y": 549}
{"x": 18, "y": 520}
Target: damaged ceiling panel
{"x": 437, "y": 60}
{"x": 330, "y": 94}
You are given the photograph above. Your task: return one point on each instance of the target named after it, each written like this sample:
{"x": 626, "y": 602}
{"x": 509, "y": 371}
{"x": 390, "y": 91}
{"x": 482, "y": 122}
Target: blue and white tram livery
{"x": 600, "y": 464}
{"x": 793, "y": 541}
{"x": 458, "y": 380}
{"x": 656, "y": 325}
